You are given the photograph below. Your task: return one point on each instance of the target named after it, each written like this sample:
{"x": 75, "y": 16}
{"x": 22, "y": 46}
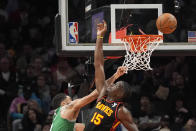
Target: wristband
{"x": 99, "y": 37}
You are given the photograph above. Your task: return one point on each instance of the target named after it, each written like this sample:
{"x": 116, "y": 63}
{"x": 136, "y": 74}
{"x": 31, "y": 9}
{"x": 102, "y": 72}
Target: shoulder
{"x": 123, "y": 112}
{"x": 125, "y": 117}
{"x": 63, "y": 110}
{"x": 101, "y": 98}
{"x": 18, "y": 100}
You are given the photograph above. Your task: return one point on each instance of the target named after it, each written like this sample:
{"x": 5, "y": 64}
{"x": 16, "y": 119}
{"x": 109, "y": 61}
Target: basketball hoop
{"x": 139, "y": 49}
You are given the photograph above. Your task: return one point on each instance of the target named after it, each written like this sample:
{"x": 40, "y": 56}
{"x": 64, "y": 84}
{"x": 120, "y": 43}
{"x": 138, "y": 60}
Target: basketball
{"x": 166, "y": 23}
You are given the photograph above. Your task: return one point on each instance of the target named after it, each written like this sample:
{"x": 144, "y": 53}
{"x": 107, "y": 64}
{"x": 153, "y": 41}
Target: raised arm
{"x": 79, "y": 103}
{"x": 98, "y": 57}
{"x": 126, "y": 119}
{"x": 120, "y": 71}
{"x": 70, "y": 111}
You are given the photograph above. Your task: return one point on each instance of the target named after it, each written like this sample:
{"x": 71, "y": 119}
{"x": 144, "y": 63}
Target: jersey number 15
{"x": 97, "y": 118}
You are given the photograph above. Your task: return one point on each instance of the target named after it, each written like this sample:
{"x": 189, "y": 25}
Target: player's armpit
{"x": 126, "y": 119}
{"x": 79, "y": 127}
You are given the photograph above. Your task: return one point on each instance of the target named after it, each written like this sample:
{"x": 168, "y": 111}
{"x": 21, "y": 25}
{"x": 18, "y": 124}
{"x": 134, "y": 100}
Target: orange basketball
{"x": 166, "y": 23}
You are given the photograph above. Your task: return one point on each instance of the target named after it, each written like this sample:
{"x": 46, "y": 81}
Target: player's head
{"x": 120, "y": 90}
{"x": 60, "y": 99}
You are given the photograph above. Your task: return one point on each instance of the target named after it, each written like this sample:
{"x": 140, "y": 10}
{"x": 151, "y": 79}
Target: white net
{"x": 139, "y": 50}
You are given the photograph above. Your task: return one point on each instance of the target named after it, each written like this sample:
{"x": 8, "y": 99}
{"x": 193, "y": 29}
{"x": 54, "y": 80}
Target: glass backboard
{"x": 76, "y": 27}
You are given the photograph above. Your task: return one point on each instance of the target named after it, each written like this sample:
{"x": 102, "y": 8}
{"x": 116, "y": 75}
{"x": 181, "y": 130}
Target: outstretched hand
{"x": 101, "y": 28}
{"x": 121, "y": 71}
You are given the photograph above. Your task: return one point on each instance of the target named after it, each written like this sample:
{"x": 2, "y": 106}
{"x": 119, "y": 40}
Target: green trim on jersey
{"x": 60, "y": 124}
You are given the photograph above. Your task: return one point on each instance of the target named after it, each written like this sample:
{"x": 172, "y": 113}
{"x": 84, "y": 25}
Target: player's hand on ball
{"x": 101, "y": 29}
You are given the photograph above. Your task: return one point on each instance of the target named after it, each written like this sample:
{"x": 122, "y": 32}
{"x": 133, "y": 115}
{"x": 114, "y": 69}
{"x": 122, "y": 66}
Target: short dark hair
{"x": 56, "y": 101}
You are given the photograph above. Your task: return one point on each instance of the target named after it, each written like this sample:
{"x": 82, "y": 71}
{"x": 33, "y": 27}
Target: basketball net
{"x": 139, "y": 49}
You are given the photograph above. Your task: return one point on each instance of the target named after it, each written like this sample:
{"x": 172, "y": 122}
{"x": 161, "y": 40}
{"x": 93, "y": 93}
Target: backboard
{"x": 137, "y": 17}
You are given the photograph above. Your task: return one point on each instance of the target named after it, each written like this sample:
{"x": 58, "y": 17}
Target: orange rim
{"x": 138, "y": 43}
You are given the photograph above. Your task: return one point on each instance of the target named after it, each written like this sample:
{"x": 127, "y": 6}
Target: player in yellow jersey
{"x": 65, "y": 116}
{"x": 109, "y": 111}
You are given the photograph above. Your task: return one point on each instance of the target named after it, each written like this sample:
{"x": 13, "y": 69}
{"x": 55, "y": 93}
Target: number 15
{"x": 97, "y": 118}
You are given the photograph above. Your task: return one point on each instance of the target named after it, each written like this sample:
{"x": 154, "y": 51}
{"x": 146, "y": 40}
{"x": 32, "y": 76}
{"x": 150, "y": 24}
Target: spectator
{"x": 49, "y": 118}
{"x": 46, "y": 127}
{"x": 180, "y": 114}
{"x": 42, "y": 91}
{"x": 147, "y": 117}
{"x": 180, "y": 87}
{"x": 32, "y": 121}
{"x": 17, "y": 124}
{"x": 47, "y": 124}
{"x": 20, "y": 105}
{"x": 16, "y": 110}
{"x": 147, "y": 84}
{"x": 37, "y": 64}
{"x": 25, "y": 56}
{"x": 164, "y": 124}
{"x": 53, "y": 90}
{"x": 30, "y": 77}
{"x": 190, "y": 125}
{"x": 161, "y": 98}
{"x": 33, "y": 104}
{"x": 173, "y": 78}
{"x": 63, "y": 73}
{"x": 8, "y": 88}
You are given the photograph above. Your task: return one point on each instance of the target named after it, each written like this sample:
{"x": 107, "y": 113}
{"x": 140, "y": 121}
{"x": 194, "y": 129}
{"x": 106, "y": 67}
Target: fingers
{"x": 101, "y": 28}
{"x": 121, "y": 71}
{"x": 102, "y": 25}
{"x": 105, "y": 24}
{"x": 123, "y": 68}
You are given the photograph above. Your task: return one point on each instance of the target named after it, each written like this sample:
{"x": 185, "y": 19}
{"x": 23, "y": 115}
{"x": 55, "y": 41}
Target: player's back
{"x": 103, "y": 116}
{"x": 60, "y": 124}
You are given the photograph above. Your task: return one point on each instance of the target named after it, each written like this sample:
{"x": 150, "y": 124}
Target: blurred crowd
{"x": 31, "y": 74}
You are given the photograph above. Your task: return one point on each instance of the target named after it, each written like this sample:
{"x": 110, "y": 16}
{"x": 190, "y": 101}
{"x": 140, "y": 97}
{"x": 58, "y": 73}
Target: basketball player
{"x": 109, "y": 112}
{"x": 66, "y": 115}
